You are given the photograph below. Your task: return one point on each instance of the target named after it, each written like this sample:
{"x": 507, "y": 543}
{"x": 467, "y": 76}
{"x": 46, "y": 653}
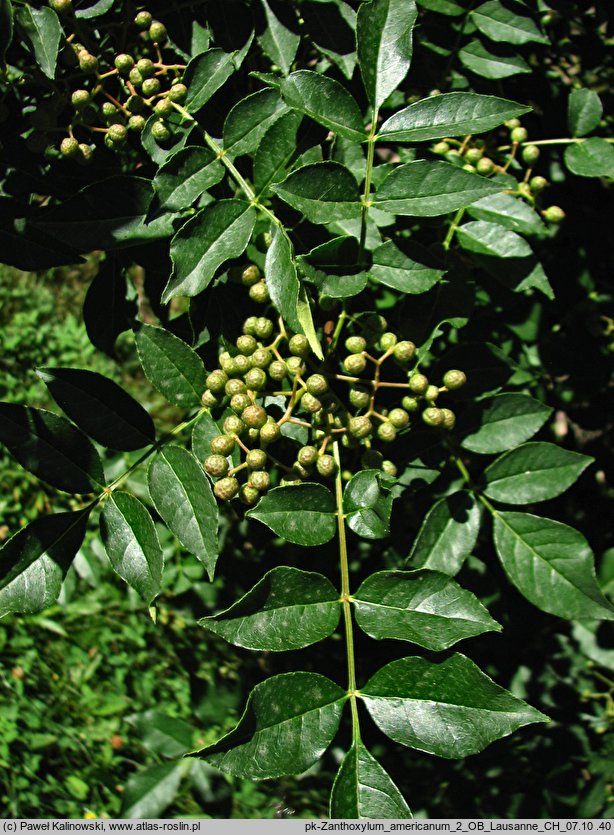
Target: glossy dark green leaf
{"x": 149, "y": 792}
{"x": 324, "y": 192}
{"x": 101, "y": 408}
{"x": 43, "y": 30}
{"x": 533, "y": 472}
{"x": 171, "y": 366}
{"x": 204, "y": 75}
{"x": 426, "y": 189}
{"x": 509, "y": 212}
{"x": 131, "y": 543}
{"x": 590, "y": 158}
{"x": 551, "y": 564}
{"x": 363, "y": 789}
{"x": 367, "y": 503}
{"x": 276, "y": 149}
{"x": 301, "y": 513}
{"x": 446, "y": 7}
{"x": 288, "y": 723}
{"x": 450, "y": 114}
{"x": 219, "y": 232}
{"x": 447, "y": 535}
{"x": 584, "y": 111}
{"x": 492, "y": 63}
{"x": 277, "y": 41}
{"x": 249, "y": 120}
{"x": 34, "y": 561}
{"x": 282, "y": 281}
{"x": 109, "y": 214}
{"x": 96, "y": 9}
{"x": 182, "y": 495}
{"x": 184, "y": 177}
{"x": 326, "y": 101}
{"x": 6, "y": 29}
{"x": 106, "y": 310}
{"x": 449, "y": 708}
{"x": 161, "y": 733}
{"x": 384, "y": 45}
{"x": 333, "y": 267}
{"x": 501, "y": 424}
{"x": 51, "y": 448}
{"x": 395, "y": 269}
{"x": 427, "y": 608}
{"x": 287, "y": 609}
{"x": 499, "y": 23}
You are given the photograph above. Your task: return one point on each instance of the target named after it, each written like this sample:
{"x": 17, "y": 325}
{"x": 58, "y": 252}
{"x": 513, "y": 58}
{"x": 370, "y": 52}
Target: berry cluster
{"x": 277, "y": 404}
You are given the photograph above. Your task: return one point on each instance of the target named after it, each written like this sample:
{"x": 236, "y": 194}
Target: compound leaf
{"x": 363, "y": 789}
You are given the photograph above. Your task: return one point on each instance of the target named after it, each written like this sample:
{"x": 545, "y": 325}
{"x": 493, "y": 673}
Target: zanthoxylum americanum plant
{"x": 324, "y": 256}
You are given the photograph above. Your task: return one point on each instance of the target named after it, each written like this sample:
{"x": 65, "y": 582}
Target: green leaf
{"x": 447, "y": 7}
{"x": 303, "y": 513}
{"x": 219, "y": 232}
{"x": 275, "y": 151}
{"x": 287, "y": 609}
{"x": 106, "y": 310}
{"x": 305, "y": 318}
{"x": 447, "y": 535}
{"x": 590, "y": 158}
{"x": 288, "y": 723}
{"x": 182, "y": 495}
{"x": 281, "y": 278}
{"x": 171, "y": 366}
{"x": 501, "y": 424}
{"x": 449, "y": 708}
{"x": 42, "y": 29}
{"x": 493, "y": 64}
{"x": 425, "y": 607}
{"x": 427, "y": 189}
{"x": 450, "y": 114}
{"x": 333, "y": 267}
{"x": 533, "y": 472}
{"x": 509, "y": 212}
{"x": 131, "y": 543}
{"x": 95, "y": 10}
{"x": 278, "y": 42}
{"x": 500, "y": 23}
{"x": 204, "y": 75}
{"x": 325, "y": 101}
{"x": 51, "y": 448}
{"x": 551, "y": 564}
{"x": 34, "y": 561}
{"x": 367, "y": 503}
{"x": 584, "y": 111}
{"x": 384, "y": 45}
{"x": 205, "y": 429}
{"x": 363, "y": 789}
{"x": 150, "y": 791}
{"x": 393, "y": 268}
{"x": 323, "y": 191}
{"x": 101, "y": 408}
{"x": 249, "y": 120}
{"x": 185, "y": 176}
{"x": 161, "y": 733}
{"x": 6, "y": 29}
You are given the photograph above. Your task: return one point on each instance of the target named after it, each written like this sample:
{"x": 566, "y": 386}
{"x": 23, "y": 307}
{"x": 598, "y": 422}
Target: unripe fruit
{"x": 538, "y": 183}
{"x": 259, "y": 293}
{"x": 326, "y": 466}
{"x": 418, "y": 383}
{"x": 216, "y": 381}
{"x": 360, "y": 427}
{"x": 254, "y": 417}
{"x": 356, "y": 344}
{"x": 157, "y": 32}
{"x": 209, "y": 400}
{"x": 299, "y": 469}
{"x": 248, "y": 494}
{"x": 261, "y": 358}
{"x": 386, "y": 432}
{"x": 216, "y": 465}
{"x": 136, "y": 123}
{"x": 143, "y": 20}
{"x": 146, "y": 67}
{"x": 554, "y": 214}
{"x": 355, "y": 364}
{"x": 222, "y": 444}
{"x": 109, "y": 111}
{"x": 256, "y": 459}
{"x": 160, "y": 132}
{"x": 260, "y": 480}
{"x": 433, "y": 416}
{"x": 371, "y": 459}
{"x": 178, "y": 93}
{"x": 135, "y": 77}
{"x": 226, "y": 488}
{"x": 124, "y": 63}
{"x": 388, "y": 340}
{"x": 241, "y": 364}
{"x": 86, "y": 153}
{"x": 473, "y": 155}
{"x": 61, "y": 7}
{"x": 441, "y": 148}
{"x": 80, "y": 98}
{"x": 163, "y": 108}
{"x": 233, "y": 425}
{"x": 316, "y": 384}
{"x": 310, "y": 403}
{"x": 256, "y": 379}
{"x": 454, "y": 379}
{"x": 235, "y": 386}
{"x": 449, "y": 419}
{"x": 269, "y": 433}
{"x": 360, "y": 397}
{"x": 263, "y": 328}
{"x": 117, "y": 133}
{"x": 512, "y": 123}
{"x": 250, "y": 275}
{"x": 87, "y": 62}
{"x": 239, "y": 402}
{"x": 404, "y": 351}
{"x": 485, "y": 166}
{"x": 299, "y": 345}
{"x": 69, "y": 147}
{"x": 246, "y": 344}
{"x": 249, "y": 325}
{"x": 277, "y": 370}
{"x": 410, "y": 404}
{"x": 398, "y": 418}
{"x": 519, "y": 135}
{"x": 135, "y": 104}
{"x": 295, "y": 366}
{"x": 307, "y": 456}
{"x": 530, "y": 154}
{"x": 390, "y": 468}
{"x": 468, "y": 167}
{"x": 150, "y": 87}
{"x": 431, "y": 394}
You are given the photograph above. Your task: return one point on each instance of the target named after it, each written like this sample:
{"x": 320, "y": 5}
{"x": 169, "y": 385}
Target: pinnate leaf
{"x": 448, "y": 534}
{"x": 324, "y": 192}
{"x": 493, "y": 63}
{"x": 326, "y": 101}
{"x": 204, "y": 75}
{"x": 502, "y": 423}
{"x": 367, "y": 503}
{"x": 363, "y": 789}
{"x": 185, "y": 176}
{"x": 499, "y": 23}
{"x": 171, "y": 366}
{"x": 279, "y": 43}
{"x": 509, "y": 212}
{"x": 42, "y": 29}
{"x": 392, "y": 267}
{"x": 303, "y": 513}
{"x": 249, "y": 120}
{"x": 276, "y": 149}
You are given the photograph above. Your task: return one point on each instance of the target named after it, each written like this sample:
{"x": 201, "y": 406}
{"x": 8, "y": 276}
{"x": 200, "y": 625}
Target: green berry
{"x": 216, "y": 465}
{"x": 80, "y": 98}
{"x": 61, "y": 7}
{"x": 410, "y": 404}
{"x": 157, "y": 32}
{"x": 209, "y": 400}
{"x": 554, "y": 214}
{"x": 326, "y": 466}
{"x": 310, "y": 403}
{"x": 248, "y": 494}
{"x": 135, "y": 104}
{"x": 216, "y": 381}
{"x": 355, "y": 364}
{"x": 449, "y": 419}
{"x": 454, "y": 379}
{"x": 386, "y": 432}
{"x": 418, "y": 383}
{"x": 151, "y": 87}
{"x": 146, "y": 67}
{"x": 136, "y": 123}
{"x": 135, "y": 77}
{"x": 254, "y": 417}
{"x": 441, "y": 148}
{"x": 226, "y": 488}
{"x": 355, "y": 344}
{"x": 473, "y": 155}
{"x": 163, "y": 108}
{"x": 250, "y": 275}
{"x": 263, "y": 328}
{"x": 469, "y": 167}
{"x": 538, "y": 183}
{"x": 485, "y": 166}
{"x": 69, "y": 147}
{"x": 299, "y": 345}
{"x": 249, "y": 325}
{"x": 307, "y": 456}
{"x": 241, "y": 364}
{"x": 233, "y": 425}
{"x": 299, "y": 469}
{"x": 117, "y": 133}
{"x": 261, "y": 358}
{"x": 88, "y": 63}
{"x": 390, "y": 468}
{"x": 263, "y": 241}
{"x": 433, "y": 416}
{"x": 387, "y": 341}
{"x": 246, "y": 344}
{"x": 86, "y": 153}
{"x": 109, "y": 111}
{"x": 124, "y": 63}
{"x": 371, "y": 459}
{"x": 222, "y": 445}
{"x": 277, "y": 370}
{"x": 260, "y": 480}
{"x": 404, "y": 351}
{"x": 240, "y": 402}
{"x": 530, "y": 154}
{"x": 295, "y": 366}
{"x": 360, "y": 397}
{"x": 360, "y": 427}
{"x": 431, "y": 394}
{"x": 256, "y": 459}
{"x": 143, "y": 20}
{"x": 256, "y": 379}
{"x": 316, "y": 384}
{"x": 269, "y": 433}
{"x": 259, "y": 293}
{"x": 160, "y": 132}
{"x": 512, "y": 123}
{"x": 519, "y": 135}
{"x": 178, "y": 93}
{"x": 398, "y": 418}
